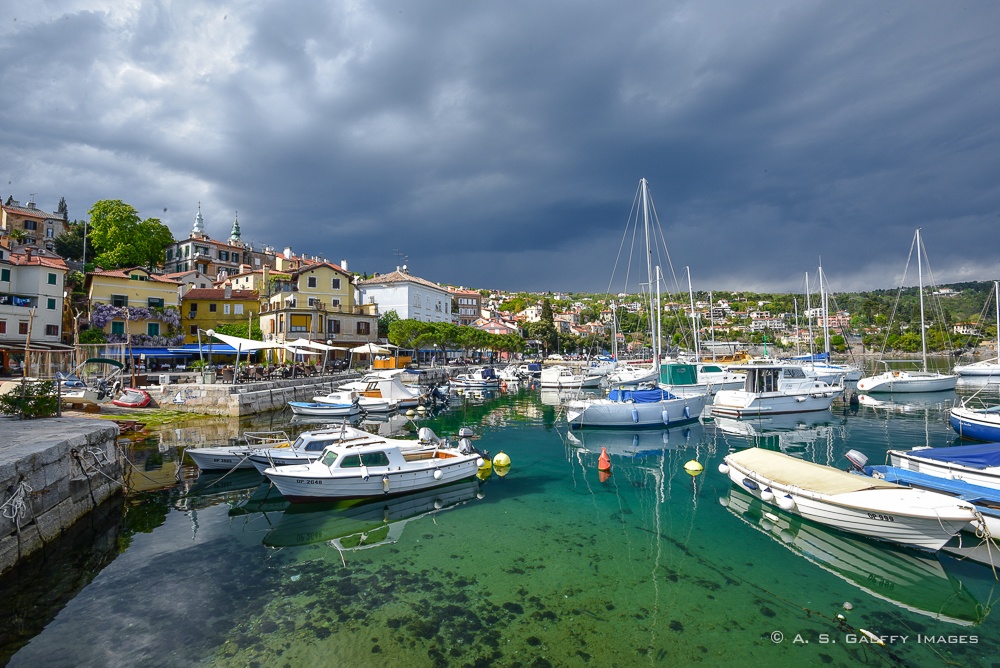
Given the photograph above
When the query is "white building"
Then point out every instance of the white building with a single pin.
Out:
(411, 297)
(32, 281)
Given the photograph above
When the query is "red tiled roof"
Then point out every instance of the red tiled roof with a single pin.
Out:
(398, 277)
(53, 261)
(124, 273)
(220, 293)
(314, 265)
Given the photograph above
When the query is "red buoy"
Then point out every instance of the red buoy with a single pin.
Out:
(604, 462)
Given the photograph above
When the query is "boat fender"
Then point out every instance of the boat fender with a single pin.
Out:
(878, 475)
(665, 415)
(635, 416)
(385, 484)
(438, 474)
(480, 463)
(724, 468)
(364, 473)
(767, 495)
(786, 502)
(750, 484)
(687, 412)
(874, 638)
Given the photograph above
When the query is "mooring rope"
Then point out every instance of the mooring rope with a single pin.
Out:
(16, 507)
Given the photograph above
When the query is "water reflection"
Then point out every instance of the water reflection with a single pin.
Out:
(636, 442)
(793, 433)
(909, 579)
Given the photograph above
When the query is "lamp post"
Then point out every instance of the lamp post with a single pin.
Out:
(326, 354)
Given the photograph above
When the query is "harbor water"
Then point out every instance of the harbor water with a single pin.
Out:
(553, 564)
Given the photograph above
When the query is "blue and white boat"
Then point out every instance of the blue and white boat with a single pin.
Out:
(978, 464)
(635, 408)
(977, 424)
(322, 409)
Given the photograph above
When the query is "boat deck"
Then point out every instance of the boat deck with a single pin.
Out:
(785, 470)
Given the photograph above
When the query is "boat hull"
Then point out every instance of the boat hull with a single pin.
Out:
(986, 477)
(210, 460)
(907, 516)
(903, 381)
(323, 409)
(975, 425)
(297, 485)
(740, 403)
(608, 413)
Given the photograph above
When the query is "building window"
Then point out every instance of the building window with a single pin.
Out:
(119, 300)
(224, 255)
(51, 304)
(194, 330)
(225, 309)
(155, 302)
(364, 328)
(30, 225)
(51, 330)
(238, 309)
(212, 308)
(170, 254)
(334, 303)
(5, 275)
(299, 323)
(117, 326)
(3, 326)
(335, 284)
(50, 233)
(22, 328)
(52, 279)
(311, 282)
(153, 328)
(332, 326)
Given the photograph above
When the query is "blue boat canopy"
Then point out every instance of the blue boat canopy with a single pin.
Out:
(817, 357)
(978, 456)
(640, 396)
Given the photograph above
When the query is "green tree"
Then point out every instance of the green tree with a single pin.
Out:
(121, 239)
(384, 321)
(69, 244)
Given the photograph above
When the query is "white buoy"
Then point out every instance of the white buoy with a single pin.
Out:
(724, 468)
(848, 605)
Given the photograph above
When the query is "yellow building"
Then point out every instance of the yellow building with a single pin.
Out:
(207, 308)
(317, 302)
(136, 302)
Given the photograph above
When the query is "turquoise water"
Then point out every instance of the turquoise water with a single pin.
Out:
(547, 566)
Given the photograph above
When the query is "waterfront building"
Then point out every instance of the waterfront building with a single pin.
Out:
(217, 259)
(207, 308)
(411, 297)
(134, 304)
(39, 227)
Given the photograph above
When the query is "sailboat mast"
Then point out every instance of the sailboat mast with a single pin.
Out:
(996, 288)
(649, 264)
(694, 319)
(711, 320)
(920, 286)
(809, 322)
(795, 303)
(825, 305)
(659, 330)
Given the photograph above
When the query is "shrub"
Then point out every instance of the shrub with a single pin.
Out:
(39, 400)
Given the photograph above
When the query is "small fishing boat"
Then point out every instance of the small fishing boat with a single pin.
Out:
(95, 381)
(391, 387)
(775, 388)
(236, 455)
(483, 378)
(380, 469)
(853, 503)
(978, 463)
(133, 397)
(977, 424)
(562, 378)
(324, 409)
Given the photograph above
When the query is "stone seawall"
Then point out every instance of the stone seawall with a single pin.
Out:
(52, 472)
(242, 399)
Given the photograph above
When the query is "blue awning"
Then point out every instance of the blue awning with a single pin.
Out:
(206, 348)
(157, 352)
(978, 456)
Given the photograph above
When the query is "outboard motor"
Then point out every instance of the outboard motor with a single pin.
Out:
(465, 432)
(427, 435)
(858, 460)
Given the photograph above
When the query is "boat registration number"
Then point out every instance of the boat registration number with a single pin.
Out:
(309, 482)
(881, 518)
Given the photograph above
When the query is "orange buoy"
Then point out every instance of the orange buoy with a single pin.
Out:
(604, 475)
(604, 462)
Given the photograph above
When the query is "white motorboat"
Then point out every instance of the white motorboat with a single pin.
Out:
(324, 409)
(309, 445)
(978, 464)
(911, 381)
(95, 381)
(373, 470)
(367, 404)
(775, 388)
(853, 503)
(375, 385)
(635, 408)
(483, 378)
(559, 377)
(235, 456)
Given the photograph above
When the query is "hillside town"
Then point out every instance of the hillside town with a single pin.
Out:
(163, 313)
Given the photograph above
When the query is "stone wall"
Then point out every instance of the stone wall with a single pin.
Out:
(52, 472)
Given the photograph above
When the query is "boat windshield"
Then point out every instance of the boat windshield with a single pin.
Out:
(377, 458)
(329, 458)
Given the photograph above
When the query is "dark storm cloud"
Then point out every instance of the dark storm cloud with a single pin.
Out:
(499, 145)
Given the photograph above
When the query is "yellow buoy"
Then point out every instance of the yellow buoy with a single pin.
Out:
(410, 413)
(693, 468)
(501, 459)
(502, 470)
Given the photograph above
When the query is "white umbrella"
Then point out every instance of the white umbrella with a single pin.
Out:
(371, 349)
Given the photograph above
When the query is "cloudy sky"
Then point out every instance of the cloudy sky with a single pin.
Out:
(499, 144)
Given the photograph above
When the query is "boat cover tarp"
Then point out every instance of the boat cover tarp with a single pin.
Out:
(640, 396)
(978, 456)
(817, 357)
(958, 488)
(785, 470)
